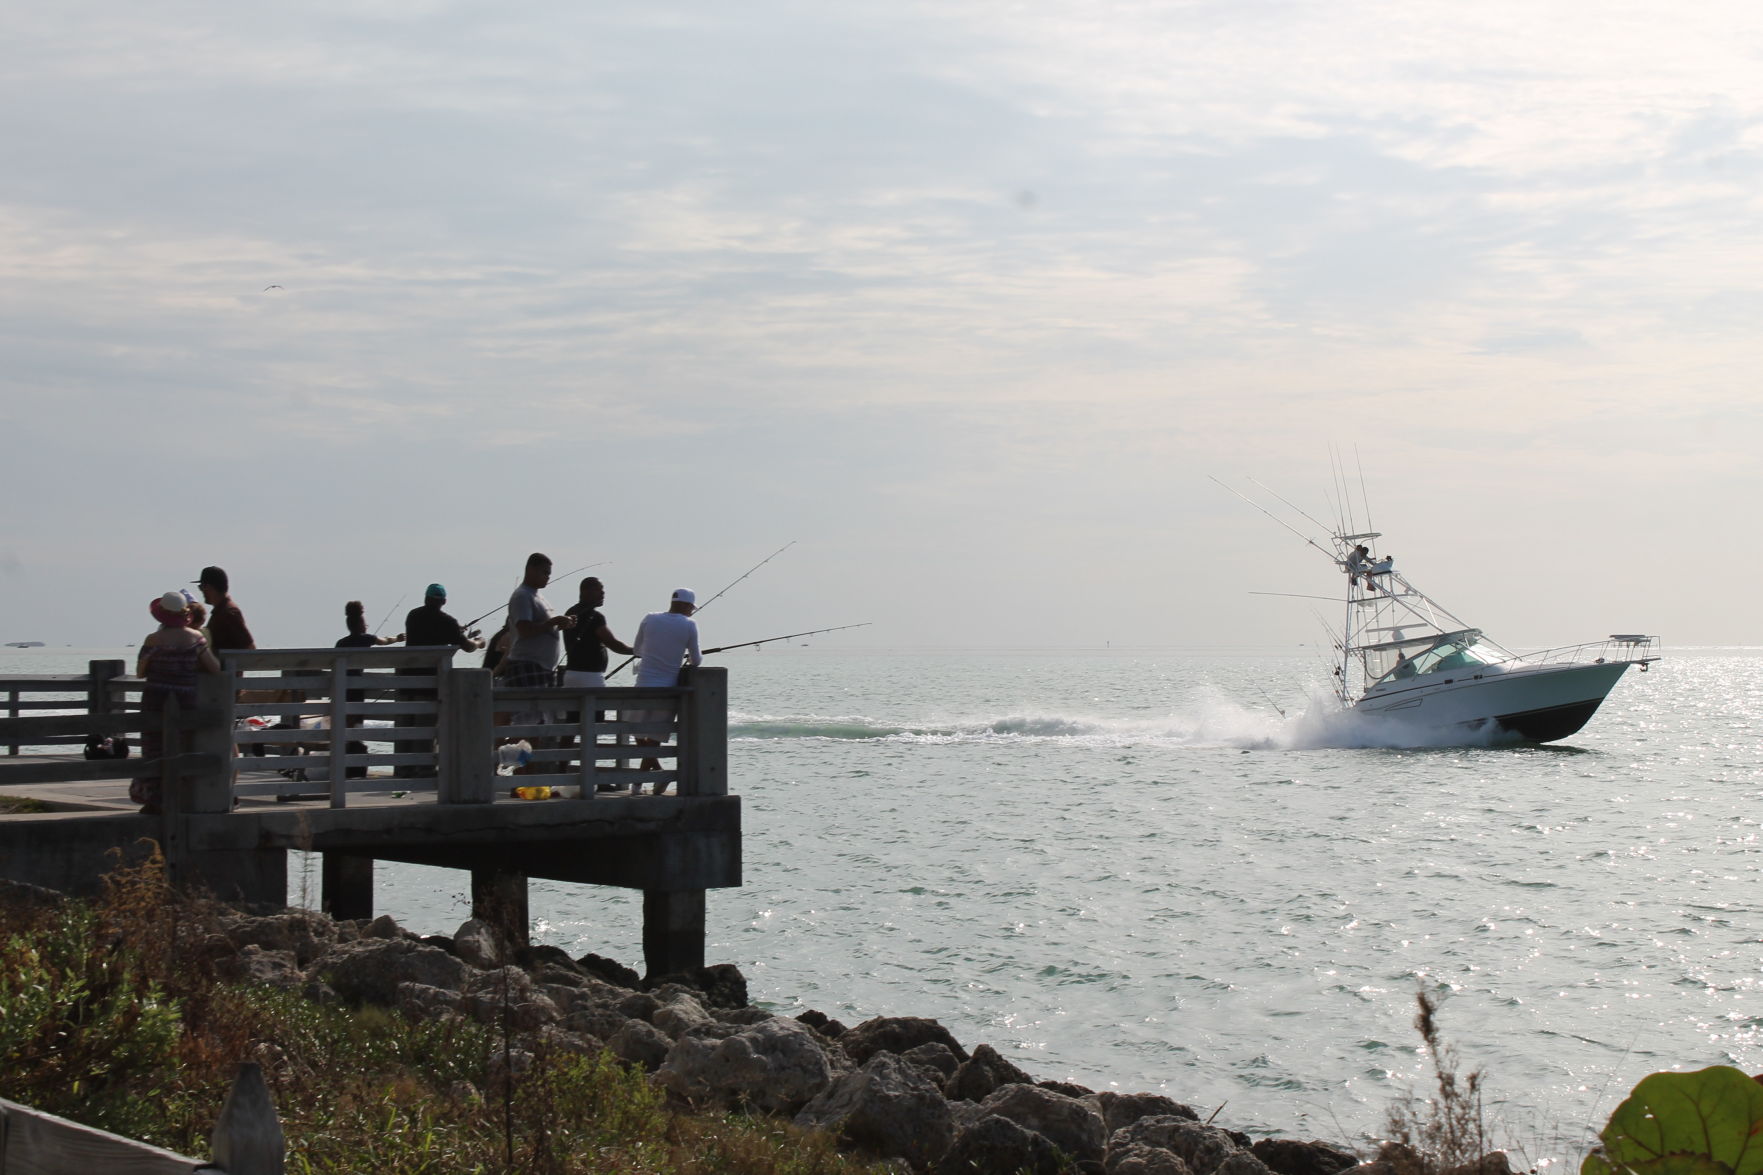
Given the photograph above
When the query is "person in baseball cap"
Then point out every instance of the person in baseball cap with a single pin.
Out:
(226, 624)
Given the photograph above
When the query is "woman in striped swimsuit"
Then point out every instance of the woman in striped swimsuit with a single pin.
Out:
(170, 659)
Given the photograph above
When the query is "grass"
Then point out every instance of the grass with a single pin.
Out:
(15, 805)
(114, 1013)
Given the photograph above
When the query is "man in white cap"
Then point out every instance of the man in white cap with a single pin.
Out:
(664, 642)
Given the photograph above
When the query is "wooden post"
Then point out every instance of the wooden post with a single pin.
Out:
(703, 732)
(498, 896)
(467, 763)
(673, 931)
(98, 692)
(247, 1138)
(339, 731)
(12, 712)
(212, 791)
(346, 886)
(589, 733)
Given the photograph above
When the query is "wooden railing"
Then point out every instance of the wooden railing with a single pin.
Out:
(439, 728)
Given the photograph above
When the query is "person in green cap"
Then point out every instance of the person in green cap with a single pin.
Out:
(428, 625)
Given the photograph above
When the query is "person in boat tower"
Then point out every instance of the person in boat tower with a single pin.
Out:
(585, 645)
(664, 641)
(1357, 559)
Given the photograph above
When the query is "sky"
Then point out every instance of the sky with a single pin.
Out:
(969, 302)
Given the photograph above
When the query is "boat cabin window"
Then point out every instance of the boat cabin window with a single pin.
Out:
(1462, 651)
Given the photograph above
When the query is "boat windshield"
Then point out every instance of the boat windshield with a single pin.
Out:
(1458, 650)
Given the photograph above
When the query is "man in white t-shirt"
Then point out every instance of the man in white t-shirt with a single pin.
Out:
(536, 631)
(664, 642)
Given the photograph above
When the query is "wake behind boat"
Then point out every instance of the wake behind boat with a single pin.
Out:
(1406, 658)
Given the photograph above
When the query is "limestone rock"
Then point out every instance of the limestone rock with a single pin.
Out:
(1068, 1088)
(1069, 1124)
(997, 1146)
(307, 936)
(887, 1107)
(1123, 1109)
(253, 964)
(604, 1022)
(639, 1005)
(611, 972)
(823, 1024)
(385, 926)
(1288, 1156)
(480, 944)
(775, 1066)
(370, 969)
(681, 1014)
(638, 1042)
(897, 1035)
(420, 1001)
(935, 1059)
(982, 1073)
(1202, 1148)
(721, 985)
(1139, 1159)
(1242, 1162)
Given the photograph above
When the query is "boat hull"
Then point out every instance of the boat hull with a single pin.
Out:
(1540, 704)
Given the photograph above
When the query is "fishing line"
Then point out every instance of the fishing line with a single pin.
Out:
(718, 596)
(786, 637)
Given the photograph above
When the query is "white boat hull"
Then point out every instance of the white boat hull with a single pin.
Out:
(1540, 704)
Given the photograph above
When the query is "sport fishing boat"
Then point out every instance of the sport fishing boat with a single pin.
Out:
(1404, 657)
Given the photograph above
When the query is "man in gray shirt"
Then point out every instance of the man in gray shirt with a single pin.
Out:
(537, 648)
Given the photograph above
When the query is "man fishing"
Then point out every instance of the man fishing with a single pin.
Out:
(537, 645)
(665, 640)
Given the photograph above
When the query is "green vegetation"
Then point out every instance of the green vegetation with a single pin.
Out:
(113, 1013)
(1709, 1122)
(16, 805)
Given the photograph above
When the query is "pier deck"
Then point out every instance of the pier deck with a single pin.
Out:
(228, 820)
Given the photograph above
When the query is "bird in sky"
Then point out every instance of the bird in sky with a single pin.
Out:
(267, 289)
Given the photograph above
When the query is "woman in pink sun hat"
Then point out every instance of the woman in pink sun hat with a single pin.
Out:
(170, 659)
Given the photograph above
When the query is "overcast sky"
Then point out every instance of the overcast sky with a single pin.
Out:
(967, 299)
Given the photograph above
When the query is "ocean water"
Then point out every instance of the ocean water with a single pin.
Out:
(1130, 870)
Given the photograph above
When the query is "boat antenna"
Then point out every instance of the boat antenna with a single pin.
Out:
(1364, 497)
(719, 595)
(1272, 515)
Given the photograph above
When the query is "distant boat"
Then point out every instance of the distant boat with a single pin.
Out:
(24, 644)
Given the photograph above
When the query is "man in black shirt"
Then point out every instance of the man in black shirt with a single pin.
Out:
(427, 625)
(585, 645)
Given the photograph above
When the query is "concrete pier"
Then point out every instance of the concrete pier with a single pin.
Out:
(230, 816)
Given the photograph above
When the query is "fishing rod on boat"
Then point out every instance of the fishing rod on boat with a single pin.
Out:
(790, 636)
(1276, 518)
(565, 575)
(622, 664)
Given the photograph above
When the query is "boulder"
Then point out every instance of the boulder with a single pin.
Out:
(611, 972)
(1139, 1159)
(937, 1062)
(1068, 1088)
(1123, 1109)
(774, 1066)
(887, 1107)
(385, 926)
(721, 985)
(1202, 1148)
(897, 1035)
(982, 1073)
(419, 1001)
(305, 935)
(1288, 1156)
(639, 1005)
(370, 969)
(534, 958)
(602, 1021)
(741, 1015)
(480, 944)
(507, 996)
(638, 1042)
(280, 969)
(997, 1146)
(1241, 1162)
(823, 1024)
(680, 1015)
(1071, 1125)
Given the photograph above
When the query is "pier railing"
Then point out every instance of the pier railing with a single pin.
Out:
(324, 719)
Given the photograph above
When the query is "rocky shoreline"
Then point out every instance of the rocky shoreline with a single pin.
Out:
(895, 1087)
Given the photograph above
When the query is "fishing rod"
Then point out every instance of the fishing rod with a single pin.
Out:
(1276, 518)
(565, 575)
(788, 636)
(718, 596)
(388, 615)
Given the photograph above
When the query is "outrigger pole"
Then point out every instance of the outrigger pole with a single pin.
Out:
(1312, 542)
(719, 596)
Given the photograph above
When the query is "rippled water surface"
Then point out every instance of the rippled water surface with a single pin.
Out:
(1132, 872)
